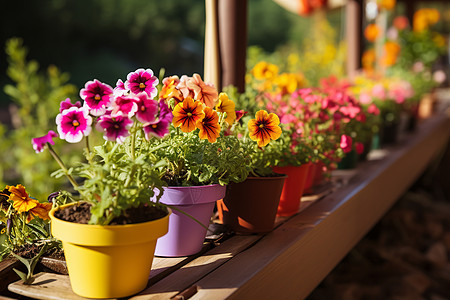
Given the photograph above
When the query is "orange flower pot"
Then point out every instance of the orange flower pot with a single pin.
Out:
(293, 188)
(251, 206)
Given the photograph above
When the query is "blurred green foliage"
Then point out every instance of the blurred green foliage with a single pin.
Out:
(36, 97)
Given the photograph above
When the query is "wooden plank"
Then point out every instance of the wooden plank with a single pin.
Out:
(292, 260)
(46, 286)
(182, 279)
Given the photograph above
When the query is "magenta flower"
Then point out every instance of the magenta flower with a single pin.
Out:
(359, 147)
(164, 111)
(97, 97)
(73, 124)
(120, 89)
(346, 143)
(66, 104)
(124, 105)
(114, 128)
(158, 129)
(40, 142)
(142, 81)
(146, 109)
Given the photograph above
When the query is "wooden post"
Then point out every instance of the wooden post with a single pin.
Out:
(233, 42)
(354, 16)
(212, 69)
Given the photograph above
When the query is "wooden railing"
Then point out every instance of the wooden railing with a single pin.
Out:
(290, 261)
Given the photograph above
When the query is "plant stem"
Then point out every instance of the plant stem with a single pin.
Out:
(62, 166)
(88, 150)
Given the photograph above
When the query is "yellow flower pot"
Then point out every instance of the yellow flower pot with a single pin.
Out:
(110, 261)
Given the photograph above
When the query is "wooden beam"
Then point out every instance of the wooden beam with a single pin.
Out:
(212, 68)
(233, 42)
(354, 23)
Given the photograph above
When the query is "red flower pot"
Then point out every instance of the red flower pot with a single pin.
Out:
(309, 184)
(292, 189)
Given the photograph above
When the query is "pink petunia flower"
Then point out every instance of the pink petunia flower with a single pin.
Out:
(97, 97)
(158, 129)
(114, 128)
(73, 124)
(120, 89)
(373, 109)
(146, 108)
(124, 105)
(66, 104)
(379, 92)
(40, 142)
(142, 81)
(346, 143)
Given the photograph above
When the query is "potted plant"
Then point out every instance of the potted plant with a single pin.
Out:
(25, 231)
(200, 157)
(251, 206)
(107, 224)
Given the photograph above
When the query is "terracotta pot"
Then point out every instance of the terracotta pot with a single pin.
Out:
(108, 261)
(186, 236)
(251, 206)
(308, 189)
(319, 171)
(292, 189)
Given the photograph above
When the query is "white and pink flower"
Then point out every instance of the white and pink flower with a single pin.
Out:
(73, 124)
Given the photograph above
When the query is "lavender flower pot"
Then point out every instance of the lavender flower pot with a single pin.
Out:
(185, 236)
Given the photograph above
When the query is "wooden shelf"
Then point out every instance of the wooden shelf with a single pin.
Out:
(291, 261)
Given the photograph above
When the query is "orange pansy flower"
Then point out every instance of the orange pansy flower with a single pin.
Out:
(264, 127)
(41, 211)
(225, 105)
(21, 201)
(371, 32)
(209, 125)
(186, 114)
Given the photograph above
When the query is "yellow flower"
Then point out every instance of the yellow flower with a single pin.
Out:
(368, 59)
(386, 4)
(439, 40)
(424, 18)
(209, 125)
(226, 105)
(264, 128)
(21, 201)
(186, 114)
(264, 70)
(288, 83)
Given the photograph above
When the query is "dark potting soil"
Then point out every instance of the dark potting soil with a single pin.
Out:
(31, 250)
(80, 213)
